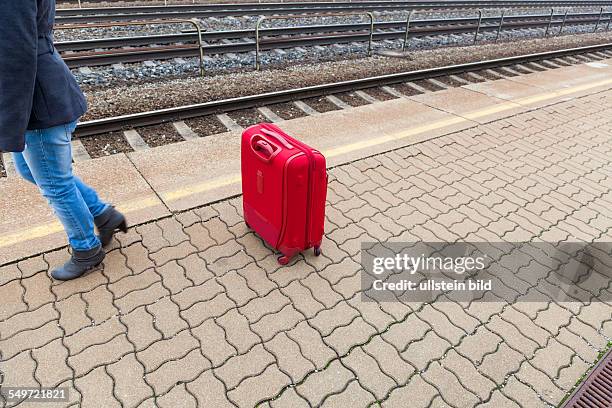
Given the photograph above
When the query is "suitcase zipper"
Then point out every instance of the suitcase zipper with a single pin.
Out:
(311, 164)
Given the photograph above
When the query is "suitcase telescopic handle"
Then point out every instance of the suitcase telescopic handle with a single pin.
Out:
(278, 137)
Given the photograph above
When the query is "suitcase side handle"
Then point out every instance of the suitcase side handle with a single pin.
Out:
(263, 149)
(278, 137)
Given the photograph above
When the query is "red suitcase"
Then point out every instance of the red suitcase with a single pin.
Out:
(284, 187)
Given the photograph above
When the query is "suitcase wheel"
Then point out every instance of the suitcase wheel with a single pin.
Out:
(317, 251)
(283, 260)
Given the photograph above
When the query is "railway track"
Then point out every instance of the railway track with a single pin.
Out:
(106, 14)
(83, 53)
(454, 75)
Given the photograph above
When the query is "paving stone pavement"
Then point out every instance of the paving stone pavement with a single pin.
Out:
(194, 311)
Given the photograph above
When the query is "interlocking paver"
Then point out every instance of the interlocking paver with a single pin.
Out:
(97, 389)
(27, 321)
(468, 375)
(332, 379)
(417, 391)
(422, 351)
(502, 362)
(140, 328)
(476, 346)
(175, 371)
(172, 253)
(93, 335)
(441, 324)
(209, 391)
(30, 339)
(168, 349)
(552, 357)
(51, 367)
(403, 333)
(289, 357)
(100, 306)
(449, 386)
(166, 317)
(242, 366)
(541, 383)
(178, 396)
(129, 385)
(98, 355)
(141, 297)
(290, 398)
(174, 277)
(302, 299)
(327, 320)
(522, 393)
(271, 324)
(213, 341)
(369, 374)
(12, 295)
(37, 290)
(353, 395)
(237, 331)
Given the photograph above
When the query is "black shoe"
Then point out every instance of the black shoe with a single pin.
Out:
(108, 222)
(79, 263)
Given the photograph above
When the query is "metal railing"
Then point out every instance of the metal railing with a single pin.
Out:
(478, 25)
(194, 22)
(318, 15)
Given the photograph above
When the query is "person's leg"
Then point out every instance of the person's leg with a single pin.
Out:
(22, 168)
(94, 204)
(48, 156)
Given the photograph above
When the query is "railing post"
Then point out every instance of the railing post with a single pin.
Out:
(200, 45)
(257, 27)
(501, 23)
(598, 20)
(609, 20)
(552, 12)
(371, 41)
(478, 27)
(408, 20)
(80, 5)
(563, 23)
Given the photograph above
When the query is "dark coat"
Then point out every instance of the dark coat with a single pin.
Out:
(37, 90)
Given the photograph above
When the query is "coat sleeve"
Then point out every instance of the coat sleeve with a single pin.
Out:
(18, 60)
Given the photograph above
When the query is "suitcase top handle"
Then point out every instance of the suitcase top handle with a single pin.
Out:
(264, 149)
(278, 137)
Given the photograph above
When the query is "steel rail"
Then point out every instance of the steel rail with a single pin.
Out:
(309, 5)
(76, 16)
(306, 4)
(306, 36)
(100, 126)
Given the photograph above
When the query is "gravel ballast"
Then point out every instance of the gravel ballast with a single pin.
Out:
(287, 111)
(247, 117)
(166, 93)
(321, 105)
(206, 125)
(159, 135)
(106, 144)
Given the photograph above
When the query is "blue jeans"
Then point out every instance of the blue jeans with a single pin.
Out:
(47, 163)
